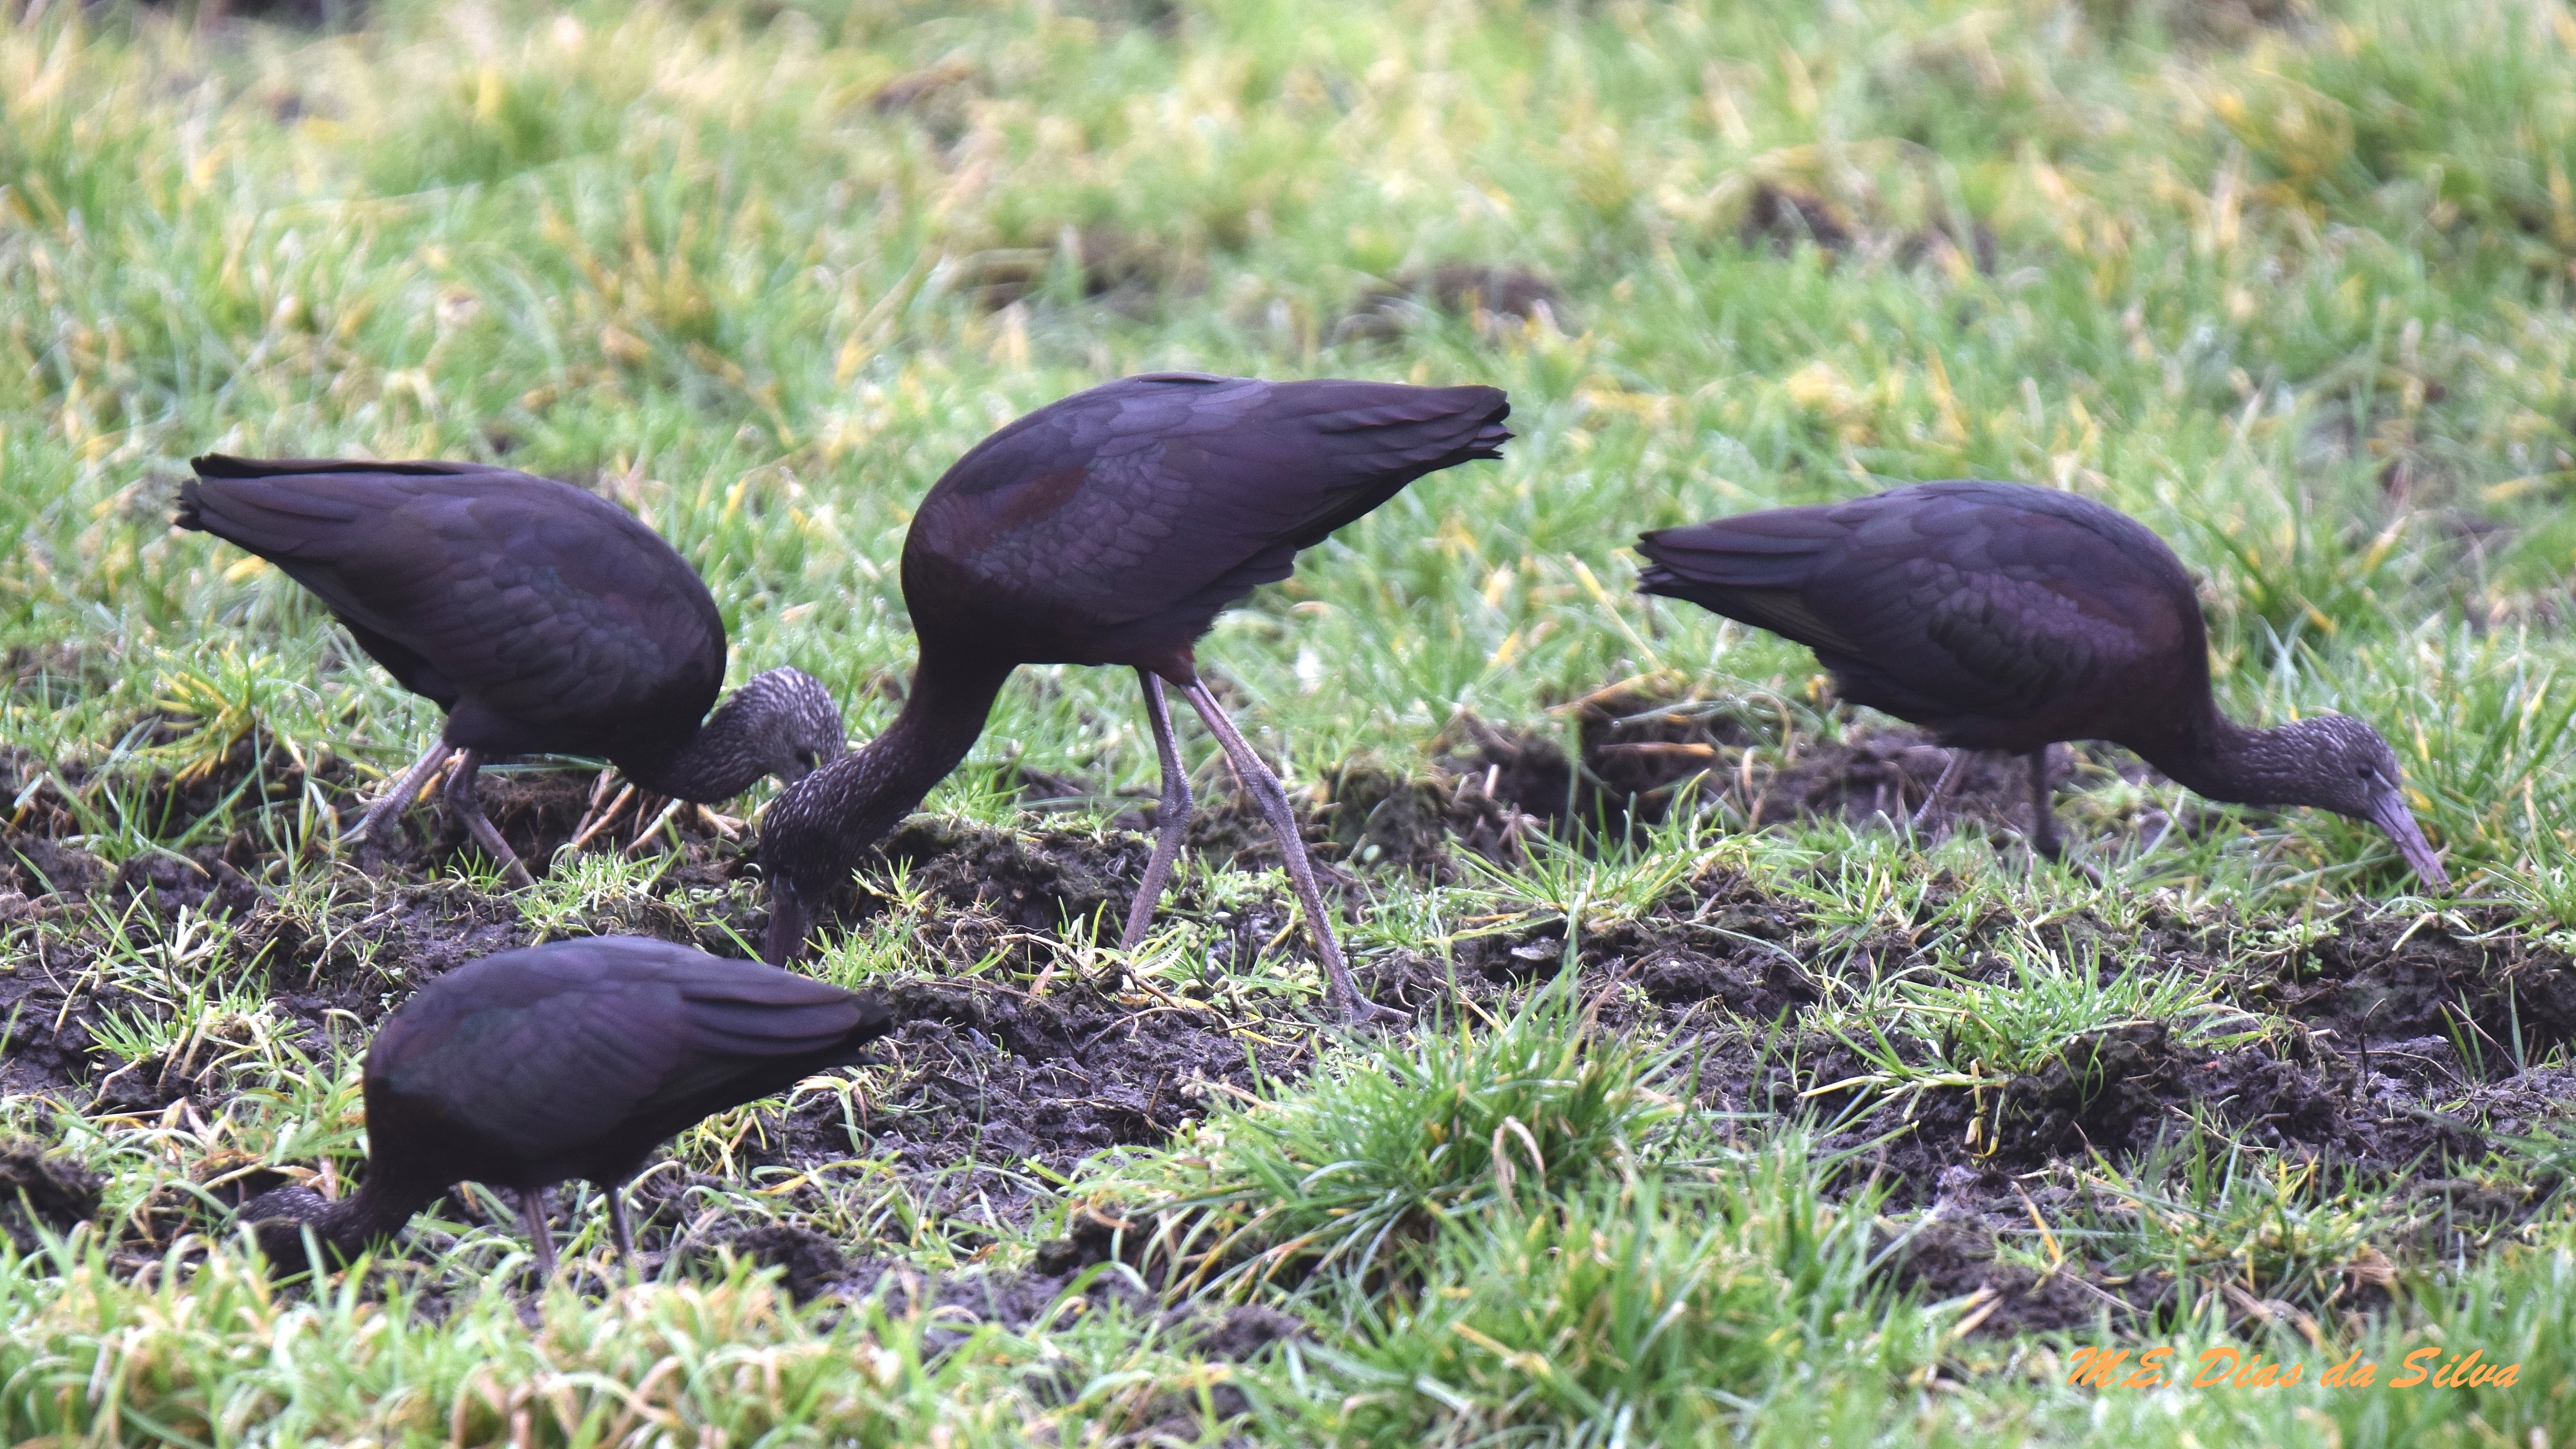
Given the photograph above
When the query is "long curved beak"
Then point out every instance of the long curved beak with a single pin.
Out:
(2389, 813)
(787, 922)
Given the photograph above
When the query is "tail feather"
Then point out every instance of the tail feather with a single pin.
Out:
(1387, 434)
(1423, 429)
(269, 517)
(1729, 555)
(275, 507)
(1755, 568)
(225, 465)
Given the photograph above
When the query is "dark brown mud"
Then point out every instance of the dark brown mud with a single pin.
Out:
(1944, 1258)
(1495, 300)
(1782, 218)
(41, 1192)
(990, 1089)
(2400, 1056)
(1110, 267)
(2404, 1060)
(1638, 749)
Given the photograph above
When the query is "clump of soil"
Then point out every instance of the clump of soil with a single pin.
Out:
(1716, 951)
(37, 1191)
(1037, 881)
(810, 1263)
(1946, 1260)
(941, 97)
(1887, 774)
(1495, 300)
(1378, 818)
(1636, 747)
(1366, 816)
(46, 1019)
(2396, 979)
(1780, 217)
(1121, 269)
(43, 875)
(1639, 745)
(1050, 1079)
(540, 809)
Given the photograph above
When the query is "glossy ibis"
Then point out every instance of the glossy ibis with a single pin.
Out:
(2005, 617)
(1110, 528)
(572, 1059)
(543, 619)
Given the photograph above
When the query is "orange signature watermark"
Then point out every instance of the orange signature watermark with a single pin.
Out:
(2156, 1368)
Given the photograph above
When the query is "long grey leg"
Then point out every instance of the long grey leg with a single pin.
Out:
(405, 791)
(1942, 787)
(461, 799)
(532, 1212)
(1343, 993)
(2043, 813)
(1172, 816)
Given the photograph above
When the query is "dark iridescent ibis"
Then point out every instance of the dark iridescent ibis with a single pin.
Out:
(2006, 617)
(543, 619)
(572, 1059)
(1110, 528)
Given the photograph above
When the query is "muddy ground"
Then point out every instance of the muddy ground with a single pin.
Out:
(2396, 1063)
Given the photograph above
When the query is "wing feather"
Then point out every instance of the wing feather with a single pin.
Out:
(1149, 503)
(538, 603)
(554, 1049)
(1944, 599)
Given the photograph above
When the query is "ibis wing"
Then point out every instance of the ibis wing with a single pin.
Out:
(1944, 599)
(552, 1078)
(479, 582)
(560, 1063)
(2027, 600)
(1935, 641)
(1173, 494)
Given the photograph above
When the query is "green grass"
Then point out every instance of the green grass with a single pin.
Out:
(2293, 290)
(1352, 1172)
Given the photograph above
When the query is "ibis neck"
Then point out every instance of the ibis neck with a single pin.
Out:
(724, 757)
(376, 1211)
(2216, 757)
(814, 832)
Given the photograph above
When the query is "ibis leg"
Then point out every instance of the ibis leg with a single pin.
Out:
(620, 1231)
(461, 799)
(1942, 787)
(532, 1211)
(2043, 814)
(379, 819)
(1344, 993)
(1171, 816)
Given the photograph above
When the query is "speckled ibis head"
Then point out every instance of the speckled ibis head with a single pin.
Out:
(2335, 762)
(792, 720)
